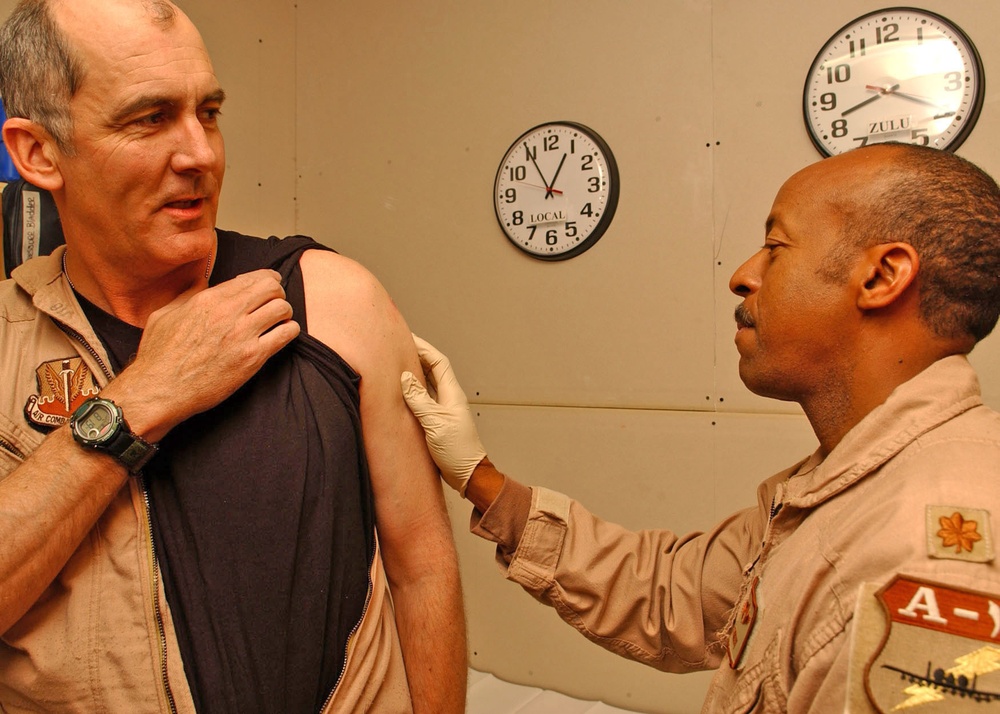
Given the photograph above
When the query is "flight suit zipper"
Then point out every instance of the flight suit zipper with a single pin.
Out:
(10, 448)
(151, 550)
(354, 630)
(157, 612)
(776, 506)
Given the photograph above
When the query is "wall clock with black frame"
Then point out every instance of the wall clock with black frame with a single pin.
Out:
(900, 74)
(556, 190)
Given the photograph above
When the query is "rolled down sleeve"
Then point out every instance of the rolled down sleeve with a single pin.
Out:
(650, 595)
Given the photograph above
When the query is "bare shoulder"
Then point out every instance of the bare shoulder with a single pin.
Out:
(350, 311)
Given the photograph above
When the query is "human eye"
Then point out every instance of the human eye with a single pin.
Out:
(210, 115)
(771, 247)
(149, 119)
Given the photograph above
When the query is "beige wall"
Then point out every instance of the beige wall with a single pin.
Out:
(378, 127)
(612, 376)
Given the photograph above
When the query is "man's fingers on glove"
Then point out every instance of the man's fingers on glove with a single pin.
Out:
(427, 352)
(420, 402)
(413, 391)
(436, 366)
(440, 376)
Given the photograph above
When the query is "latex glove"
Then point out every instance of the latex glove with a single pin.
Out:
(448, 426)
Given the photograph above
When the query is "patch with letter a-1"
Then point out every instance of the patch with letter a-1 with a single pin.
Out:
(940, 651)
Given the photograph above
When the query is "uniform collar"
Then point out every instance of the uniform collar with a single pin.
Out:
(39, 273)
(941, 392)
(43, 279)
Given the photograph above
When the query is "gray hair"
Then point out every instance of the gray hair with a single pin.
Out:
(39, 71)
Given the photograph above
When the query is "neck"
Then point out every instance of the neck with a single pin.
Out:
(885, 365)
(130, 297)
(833, 419)
(833, 411)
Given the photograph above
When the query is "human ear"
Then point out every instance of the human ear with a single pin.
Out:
(890, 268)
(34, 153)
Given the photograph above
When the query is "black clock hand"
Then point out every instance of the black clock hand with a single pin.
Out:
(861, 104)
(882, 91)
(919, 100)
(561, 162)
(905, 95)
(530, 156)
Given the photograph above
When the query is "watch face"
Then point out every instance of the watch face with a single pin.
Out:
(899, 74)
(96, 422)
(556, 190)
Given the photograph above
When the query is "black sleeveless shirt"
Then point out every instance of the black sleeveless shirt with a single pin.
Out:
(262, 513)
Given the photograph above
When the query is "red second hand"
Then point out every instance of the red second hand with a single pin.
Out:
(547, 188)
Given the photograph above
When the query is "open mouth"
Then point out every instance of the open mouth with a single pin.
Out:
(190, 203)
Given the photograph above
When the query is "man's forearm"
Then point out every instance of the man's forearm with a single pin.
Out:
(430, 618)
(49, 504)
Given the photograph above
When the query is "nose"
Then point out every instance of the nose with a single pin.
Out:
(199, 148)
(746, 279)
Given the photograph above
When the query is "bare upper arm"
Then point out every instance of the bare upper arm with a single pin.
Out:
(350, 312)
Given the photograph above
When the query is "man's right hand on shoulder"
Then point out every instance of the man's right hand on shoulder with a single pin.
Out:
(199, 349)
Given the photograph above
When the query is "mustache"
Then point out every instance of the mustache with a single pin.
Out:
(743, 317)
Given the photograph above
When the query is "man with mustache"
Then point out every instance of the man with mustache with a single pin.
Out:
(213, 504)
(864, 578)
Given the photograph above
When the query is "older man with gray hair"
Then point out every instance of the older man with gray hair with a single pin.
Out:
(207, 501)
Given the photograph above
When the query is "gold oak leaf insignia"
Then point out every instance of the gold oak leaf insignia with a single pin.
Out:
(958, 532)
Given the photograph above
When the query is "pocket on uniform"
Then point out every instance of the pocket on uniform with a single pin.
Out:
(760, 686)
(16, 443)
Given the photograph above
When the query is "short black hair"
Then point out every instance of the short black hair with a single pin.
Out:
(948, 209)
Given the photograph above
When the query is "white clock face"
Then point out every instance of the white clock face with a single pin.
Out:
(899, 74)
(556, 190)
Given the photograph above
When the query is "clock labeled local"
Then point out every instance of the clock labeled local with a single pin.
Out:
(556, 190)
(898, 74)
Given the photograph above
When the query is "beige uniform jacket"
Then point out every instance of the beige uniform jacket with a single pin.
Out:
(905, 505)
(100, 638)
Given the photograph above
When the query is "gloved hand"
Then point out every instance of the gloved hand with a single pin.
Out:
(448, 426)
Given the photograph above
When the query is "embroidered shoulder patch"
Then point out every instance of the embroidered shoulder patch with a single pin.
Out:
(939, 649)
(63, 385)
(957, 533)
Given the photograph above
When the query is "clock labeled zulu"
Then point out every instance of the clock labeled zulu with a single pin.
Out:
(898, 74)
(556, 190)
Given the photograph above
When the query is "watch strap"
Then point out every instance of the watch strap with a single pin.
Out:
(131, 449)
